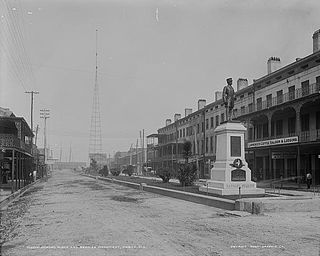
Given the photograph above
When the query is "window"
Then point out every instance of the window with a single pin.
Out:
(243, 110)
(279, 128)
(202, 146)
(291, 125)
(184, 132)
(250, 133)
(207, 124)
(211, 143)
(279, 97)
(269, 100)
(265, 130)
(181, 133)
(202, 127)
(217, 120)
(222, 117)
(198, 128)
(305, 88)
(305, 122)
(272, 128)
(207, 143)
(292, 90)
(259, 131)
(259, 103)
(318, 82)
(318, 120)
(250, 107)
(211, 121)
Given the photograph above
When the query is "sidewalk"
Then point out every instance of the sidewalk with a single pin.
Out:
(288, 188)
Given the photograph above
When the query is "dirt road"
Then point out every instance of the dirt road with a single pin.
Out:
(75, 215)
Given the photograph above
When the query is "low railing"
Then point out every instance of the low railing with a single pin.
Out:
(277, 100)
(12, 141)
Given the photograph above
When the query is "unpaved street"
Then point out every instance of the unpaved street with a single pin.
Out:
(74, 215)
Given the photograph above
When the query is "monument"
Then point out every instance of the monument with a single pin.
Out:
(230, 174)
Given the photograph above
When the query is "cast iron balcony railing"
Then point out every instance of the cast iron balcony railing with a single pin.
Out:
(276, 101)
(12, 141)
(305, 136)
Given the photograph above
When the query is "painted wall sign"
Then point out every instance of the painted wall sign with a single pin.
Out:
(281, 141)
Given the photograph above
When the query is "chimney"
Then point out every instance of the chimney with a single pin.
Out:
(273, 64)
(218, 95)
(177, 117)
(201, 103)
(168, 122)
(316, 41)
(242, 83)
(187, 111)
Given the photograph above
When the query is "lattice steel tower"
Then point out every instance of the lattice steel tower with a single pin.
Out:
(95, 144)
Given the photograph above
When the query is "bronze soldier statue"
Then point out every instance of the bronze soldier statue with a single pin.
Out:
(228, 99)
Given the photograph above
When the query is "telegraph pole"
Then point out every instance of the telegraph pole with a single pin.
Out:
(31, 115)
(44, 113)
(37, 129)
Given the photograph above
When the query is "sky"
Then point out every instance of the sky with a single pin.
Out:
(155, 58)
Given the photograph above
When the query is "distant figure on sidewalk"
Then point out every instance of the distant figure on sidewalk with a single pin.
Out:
(309, 179)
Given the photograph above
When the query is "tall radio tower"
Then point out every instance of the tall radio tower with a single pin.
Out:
(95, 145)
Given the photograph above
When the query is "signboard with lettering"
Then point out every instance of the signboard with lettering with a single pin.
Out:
(274, 142)
(238, 175)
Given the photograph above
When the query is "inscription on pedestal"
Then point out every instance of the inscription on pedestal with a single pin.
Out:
(235, 146)
(238, 175)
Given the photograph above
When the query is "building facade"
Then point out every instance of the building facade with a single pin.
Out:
(281, 112)
(16, 151)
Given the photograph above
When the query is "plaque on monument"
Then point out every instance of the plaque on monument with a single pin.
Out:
(235, 146)
(238, 175)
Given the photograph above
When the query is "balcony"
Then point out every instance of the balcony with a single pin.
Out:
(305, 136)
(12, 142)
(278, 100)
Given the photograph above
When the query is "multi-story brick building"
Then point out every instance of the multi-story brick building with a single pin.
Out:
(281, 111)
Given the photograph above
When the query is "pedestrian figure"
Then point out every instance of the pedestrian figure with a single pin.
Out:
(309, 179)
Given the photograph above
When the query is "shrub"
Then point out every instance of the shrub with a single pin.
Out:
(129, 170)
(165, 174)
(104, 171)
(187, 174)
(115, 172)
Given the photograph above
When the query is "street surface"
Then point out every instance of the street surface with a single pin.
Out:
(75, 215)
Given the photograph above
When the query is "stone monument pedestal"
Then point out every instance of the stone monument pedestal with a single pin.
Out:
(230, 172)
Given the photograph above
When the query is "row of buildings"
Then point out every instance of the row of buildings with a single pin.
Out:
(280, 110)
(20, 159)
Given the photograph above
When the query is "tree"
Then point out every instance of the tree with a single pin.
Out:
(187, 150)
(165, 174)
(187, 172)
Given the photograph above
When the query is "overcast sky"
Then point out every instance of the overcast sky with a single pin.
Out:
(155, 59)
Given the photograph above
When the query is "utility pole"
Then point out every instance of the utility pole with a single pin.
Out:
(44, 113)
(37, 129)
(70, 154)
(60, 158)
(31, 114)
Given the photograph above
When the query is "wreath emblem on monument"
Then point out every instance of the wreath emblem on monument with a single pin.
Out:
(237, 163)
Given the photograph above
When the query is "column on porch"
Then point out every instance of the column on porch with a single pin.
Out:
(298, 130)
(12, 171)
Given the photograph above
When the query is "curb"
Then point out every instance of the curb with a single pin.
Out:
(18, 193)
(187, 196)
